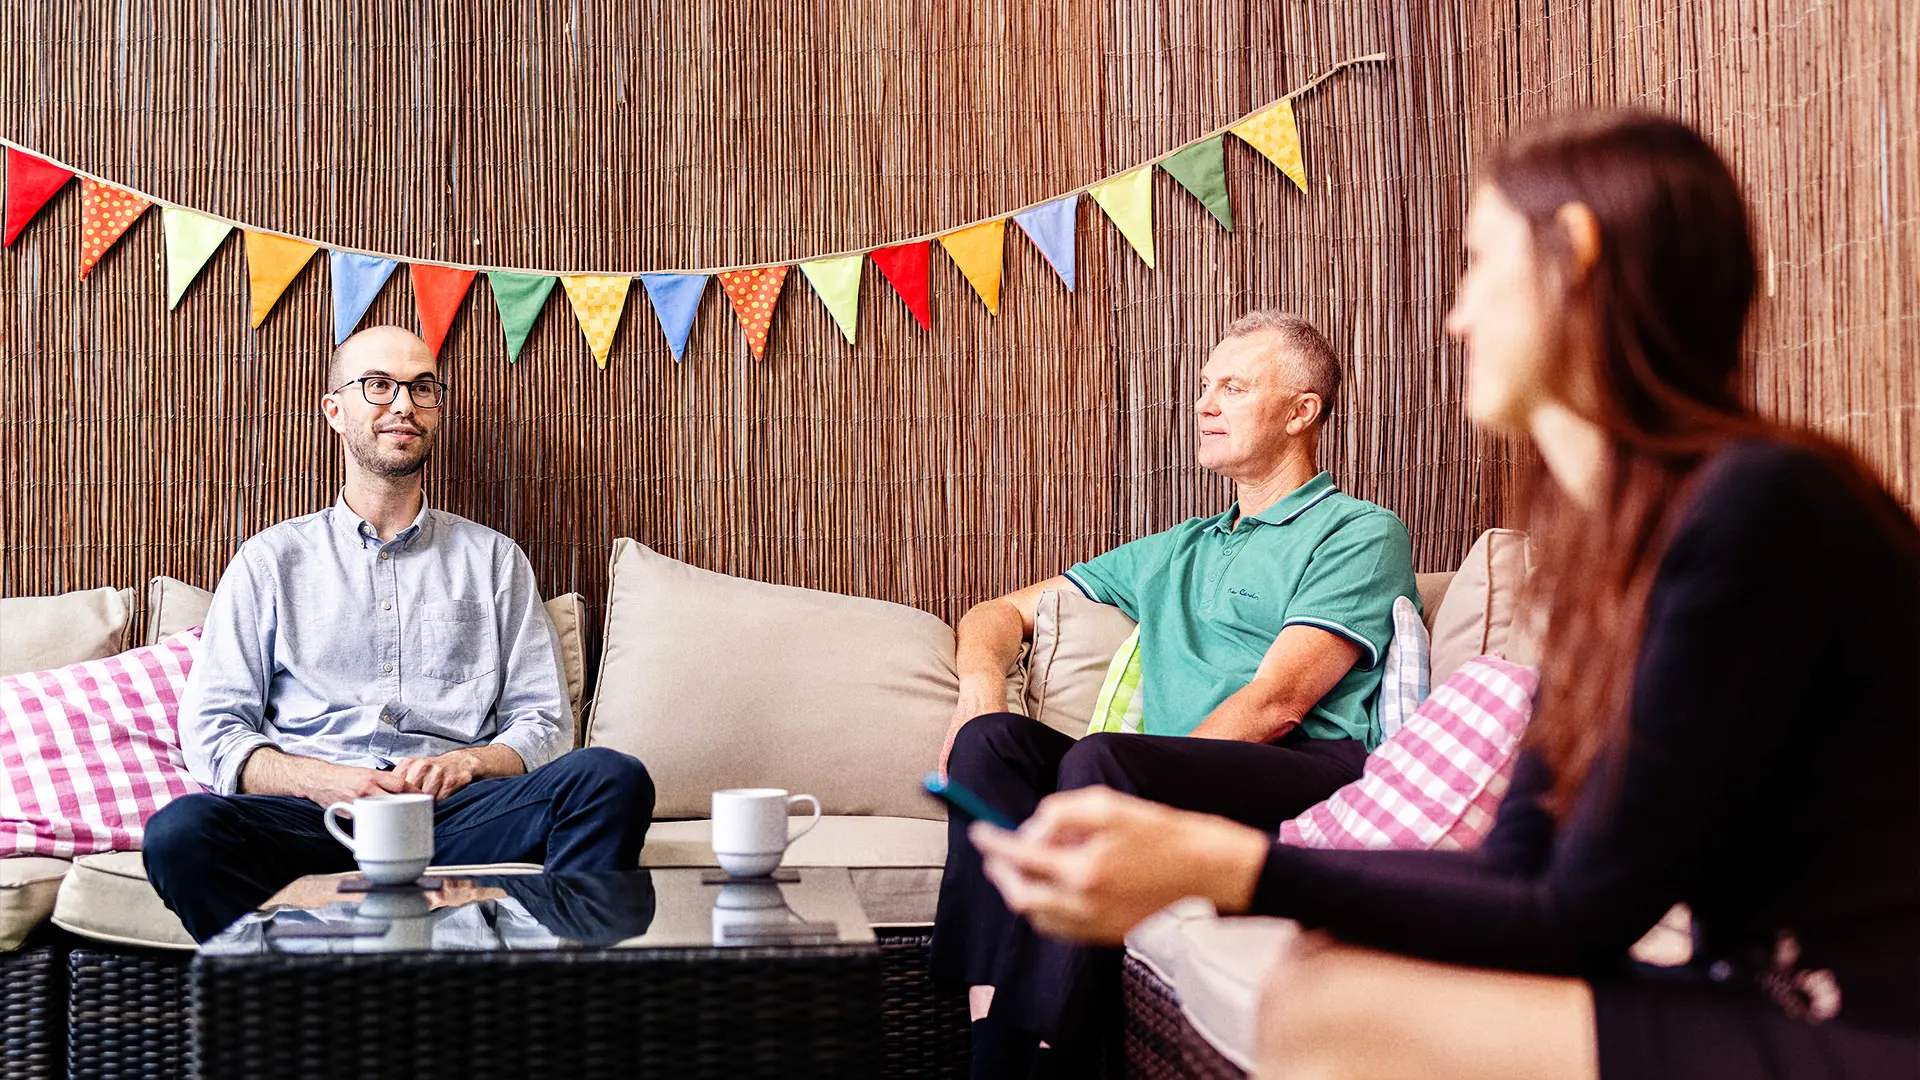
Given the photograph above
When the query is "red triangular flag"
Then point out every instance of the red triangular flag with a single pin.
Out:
(106, 213)
(437, 293)
(31, 181)
(905, 267)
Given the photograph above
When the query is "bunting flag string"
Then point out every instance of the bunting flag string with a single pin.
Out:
(1128, 201)
(272, 263)
(676, 298)
(837, 283)
(437, 294)
(31, 182)
(1202, 170)
(1051, 228)
(978, 248)
(106, 213)
(357, 279)
(191, 239)
(519, 298)
(908, 268)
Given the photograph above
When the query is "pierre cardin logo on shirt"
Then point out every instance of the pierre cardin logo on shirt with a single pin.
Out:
(1244, 592)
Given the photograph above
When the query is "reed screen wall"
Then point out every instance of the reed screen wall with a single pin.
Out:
(933, 468)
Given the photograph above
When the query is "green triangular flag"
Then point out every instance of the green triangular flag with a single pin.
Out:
(520, 298)
(837, 282)
(1202, 170)
(191, 240)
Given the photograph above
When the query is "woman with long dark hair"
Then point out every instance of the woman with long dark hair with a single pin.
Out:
(1728, 714)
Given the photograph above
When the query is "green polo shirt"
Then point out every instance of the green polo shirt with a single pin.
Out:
(1211, 596)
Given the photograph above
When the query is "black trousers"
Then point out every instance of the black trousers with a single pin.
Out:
(1056, 991)
(214, 858)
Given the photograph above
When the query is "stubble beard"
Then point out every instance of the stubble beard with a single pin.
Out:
(389, 464)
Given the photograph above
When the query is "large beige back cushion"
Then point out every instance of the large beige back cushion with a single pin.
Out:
(42, 632)
(1480, 612)
(719, 682)
(1074, 640)
(173, 606)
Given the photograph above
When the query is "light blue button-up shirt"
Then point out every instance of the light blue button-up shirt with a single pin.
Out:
(327, 643)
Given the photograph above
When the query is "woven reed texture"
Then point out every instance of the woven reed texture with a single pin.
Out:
(1158, 1042)
(1815, 107)
(923, 1025)
(929, 468)
(32, 1013)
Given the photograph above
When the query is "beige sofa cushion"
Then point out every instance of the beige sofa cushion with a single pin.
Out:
(1216, 967)
(1433, 592)
(173, 606)
(42, 632)
(895, 862)
(718, 682)
(1482, 606)
(1074, 640)
(28, 884)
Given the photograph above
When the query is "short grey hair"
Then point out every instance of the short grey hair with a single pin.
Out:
(1303, 347)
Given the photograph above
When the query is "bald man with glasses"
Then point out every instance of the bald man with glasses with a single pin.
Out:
(380, 645)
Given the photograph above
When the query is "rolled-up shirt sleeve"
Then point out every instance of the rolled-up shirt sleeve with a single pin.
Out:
(223, 707)
(535, 719)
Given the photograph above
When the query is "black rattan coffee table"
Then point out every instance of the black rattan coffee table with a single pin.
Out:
(650, 973)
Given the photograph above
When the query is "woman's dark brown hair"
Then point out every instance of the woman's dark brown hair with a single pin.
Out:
(1653, 357)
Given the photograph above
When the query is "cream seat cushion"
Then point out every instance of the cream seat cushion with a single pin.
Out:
(173, 606)
(1481, 610)
(106, 897)
(895, 862)
(719, 682)
(1216, 967)
(28, 884)
(42, 632)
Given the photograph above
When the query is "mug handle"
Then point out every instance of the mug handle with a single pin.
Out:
(334, 827)
(816, 815)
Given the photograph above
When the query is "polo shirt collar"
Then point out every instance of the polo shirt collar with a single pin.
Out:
(357, 528)
(1291, 505)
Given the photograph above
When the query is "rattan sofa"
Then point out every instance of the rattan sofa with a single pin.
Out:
(713, 681)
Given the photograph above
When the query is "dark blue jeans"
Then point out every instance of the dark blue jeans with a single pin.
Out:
(214, 858)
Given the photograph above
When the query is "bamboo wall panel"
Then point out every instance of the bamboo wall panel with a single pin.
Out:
(930, 468)
(1817, 107)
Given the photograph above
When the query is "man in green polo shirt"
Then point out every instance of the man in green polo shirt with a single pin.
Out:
(1261, 634)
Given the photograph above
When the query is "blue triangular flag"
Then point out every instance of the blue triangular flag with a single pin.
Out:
(1050, 227)
(675, 298)
(356, 281)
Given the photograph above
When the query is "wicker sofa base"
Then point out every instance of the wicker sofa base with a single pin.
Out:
(127, 1013)
(33, 1010)
(1159, 1043)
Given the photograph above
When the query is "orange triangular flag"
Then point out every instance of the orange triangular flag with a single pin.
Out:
(105, 213)
(754, 294)
(977, 251)
(272, 264)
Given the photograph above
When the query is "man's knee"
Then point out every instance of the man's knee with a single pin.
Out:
(983, 741)
(183, 831)
(1097, 759)
(609, 776)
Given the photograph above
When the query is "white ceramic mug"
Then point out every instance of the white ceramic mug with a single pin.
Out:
(392, 835)
(750, 828)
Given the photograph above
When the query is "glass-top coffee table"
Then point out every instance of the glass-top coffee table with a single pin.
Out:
(667, 973)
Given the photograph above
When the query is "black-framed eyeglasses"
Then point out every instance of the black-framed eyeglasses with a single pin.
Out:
(426, 392)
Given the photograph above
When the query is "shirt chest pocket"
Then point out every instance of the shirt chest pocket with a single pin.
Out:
(458, 642)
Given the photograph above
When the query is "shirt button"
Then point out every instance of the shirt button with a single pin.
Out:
(386, 667)
(386, 605)
(385, 555)
(385, 719)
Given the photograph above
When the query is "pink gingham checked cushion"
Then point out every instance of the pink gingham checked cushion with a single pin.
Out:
(89, 752)
(1438, 781)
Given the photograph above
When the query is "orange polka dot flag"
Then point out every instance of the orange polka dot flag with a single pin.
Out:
(105, 213)
(754, 294)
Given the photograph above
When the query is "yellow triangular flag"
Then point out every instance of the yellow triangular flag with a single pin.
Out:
(837, 283)
(1128, 201)
(976, 250)
(598, 303)
(272, 264)
(1273, 132)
